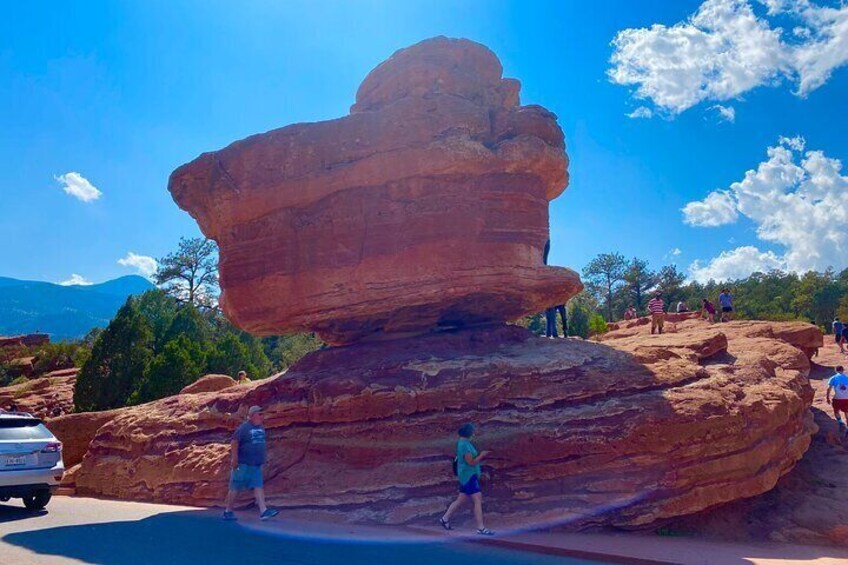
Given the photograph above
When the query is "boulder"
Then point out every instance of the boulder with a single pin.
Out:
(209, 383)
(76, 431)
(628, 431)
(426, 207)
(41, 397)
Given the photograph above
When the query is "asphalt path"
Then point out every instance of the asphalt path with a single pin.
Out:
(85, 530)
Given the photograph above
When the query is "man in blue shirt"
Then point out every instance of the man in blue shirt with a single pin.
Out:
(838, 326)
(838, 383)
(246, 460)
(725, 302)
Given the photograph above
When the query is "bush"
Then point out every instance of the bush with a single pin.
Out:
(578, 319)
(597, 324)
(181, 363)
(285, 351)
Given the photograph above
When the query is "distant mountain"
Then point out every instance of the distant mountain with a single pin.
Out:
(63, 312)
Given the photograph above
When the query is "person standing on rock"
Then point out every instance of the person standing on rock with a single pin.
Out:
(708, 311)
(246, 459)
(838, 383)
(838, 326)
(468, 474)
(656, 308)
(725, 301)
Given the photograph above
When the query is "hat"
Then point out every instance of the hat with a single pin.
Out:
(254, 410)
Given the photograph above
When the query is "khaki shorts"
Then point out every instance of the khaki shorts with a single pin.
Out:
(657, 320)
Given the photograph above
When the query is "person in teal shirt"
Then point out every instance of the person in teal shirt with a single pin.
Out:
(468, 474)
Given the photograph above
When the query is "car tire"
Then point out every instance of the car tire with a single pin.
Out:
(37, 500)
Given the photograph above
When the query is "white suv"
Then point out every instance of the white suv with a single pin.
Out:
(31, 465)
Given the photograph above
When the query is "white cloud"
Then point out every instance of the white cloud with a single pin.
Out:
(717, 209)
(145, 265)
(797, 200)
(76, 280)
(735, 264)
(725, 113)
(640, 112)
(725, 49)
(78, 186)
(675, 252)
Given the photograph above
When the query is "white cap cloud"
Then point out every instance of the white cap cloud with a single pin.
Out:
(795, 198)
(79, 187)
(735, 264)
(725, 49)
(145, 265)
(76, 280)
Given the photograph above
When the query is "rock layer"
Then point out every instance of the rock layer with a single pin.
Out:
(42, 397)
(426, 207)
(627, 432)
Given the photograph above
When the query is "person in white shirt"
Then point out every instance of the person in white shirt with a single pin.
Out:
(682, 307)
(838, 383)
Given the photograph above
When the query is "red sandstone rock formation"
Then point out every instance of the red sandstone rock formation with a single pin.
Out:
(41, 397)
(209, 383)
(427, 206)
(27, 340)
(629, 431)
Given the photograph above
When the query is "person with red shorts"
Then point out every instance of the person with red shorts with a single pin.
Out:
(839, 384)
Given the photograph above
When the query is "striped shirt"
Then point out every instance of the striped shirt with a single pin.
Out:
(655, 306)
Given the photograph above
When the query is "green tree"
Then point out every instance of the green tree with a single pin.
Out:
(159, 309)
(638, 281)
(181, 363)
(597, 324)
(580, 310)
(118, 362)
(670, 281)
(605, 273)
(191, 273)
(232, 354)
(284, 351)
(188, 322)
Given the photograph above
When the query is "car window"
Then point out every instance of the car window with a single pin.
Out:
(22, 429)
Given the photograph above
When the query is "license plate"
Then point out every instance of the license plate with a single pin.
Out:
(14, 461)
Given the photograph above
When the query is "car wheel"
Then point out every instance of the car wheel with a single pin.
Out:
(37, 500)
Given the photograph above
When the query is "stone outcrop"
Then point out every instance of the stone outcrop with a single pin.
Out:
(426, 207)
(209, 383)
(42, 397)
(26, 340)
(629, 431)
(76, 431)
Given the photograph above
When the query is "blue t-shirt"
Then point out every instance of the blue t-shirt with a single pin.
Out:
(725, 300)
(839, 382)
(464, 471)
(837, 328)
(251, 444)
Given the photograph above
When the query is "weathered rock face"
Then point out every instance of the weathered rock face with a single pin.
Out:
(43, 397)
(427, 206)
(633, 430)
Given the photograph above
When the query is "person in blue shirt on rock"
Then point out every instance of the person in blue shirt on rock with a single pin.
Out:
(246, 460)
(838, 326)
(468, 474)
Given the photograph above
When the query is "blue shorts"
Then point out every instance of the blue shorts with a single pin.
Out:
(246, 477)
(471, 487)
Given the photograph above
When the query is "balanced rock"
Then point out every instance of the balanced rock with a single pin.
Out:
(629, 431)
(426, 207)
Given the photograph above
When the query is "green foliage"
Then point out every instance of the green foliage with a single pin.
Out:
(62, 355)
(579, 313)
(285, 351)
(233, 353)
(597, 324)
(182, 362)
(190, 274)
(605, 274)
(19, 381)
(118, 362)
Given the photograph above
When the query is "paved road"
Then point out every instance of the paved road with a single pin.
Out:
(84, 530)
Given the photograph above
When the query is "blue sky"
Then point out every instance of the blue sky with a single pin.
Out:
(123, 92)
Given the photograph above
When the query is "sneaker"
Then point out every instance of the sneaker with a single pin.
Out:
(269, 513)
(485, 532)
(229, 516)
